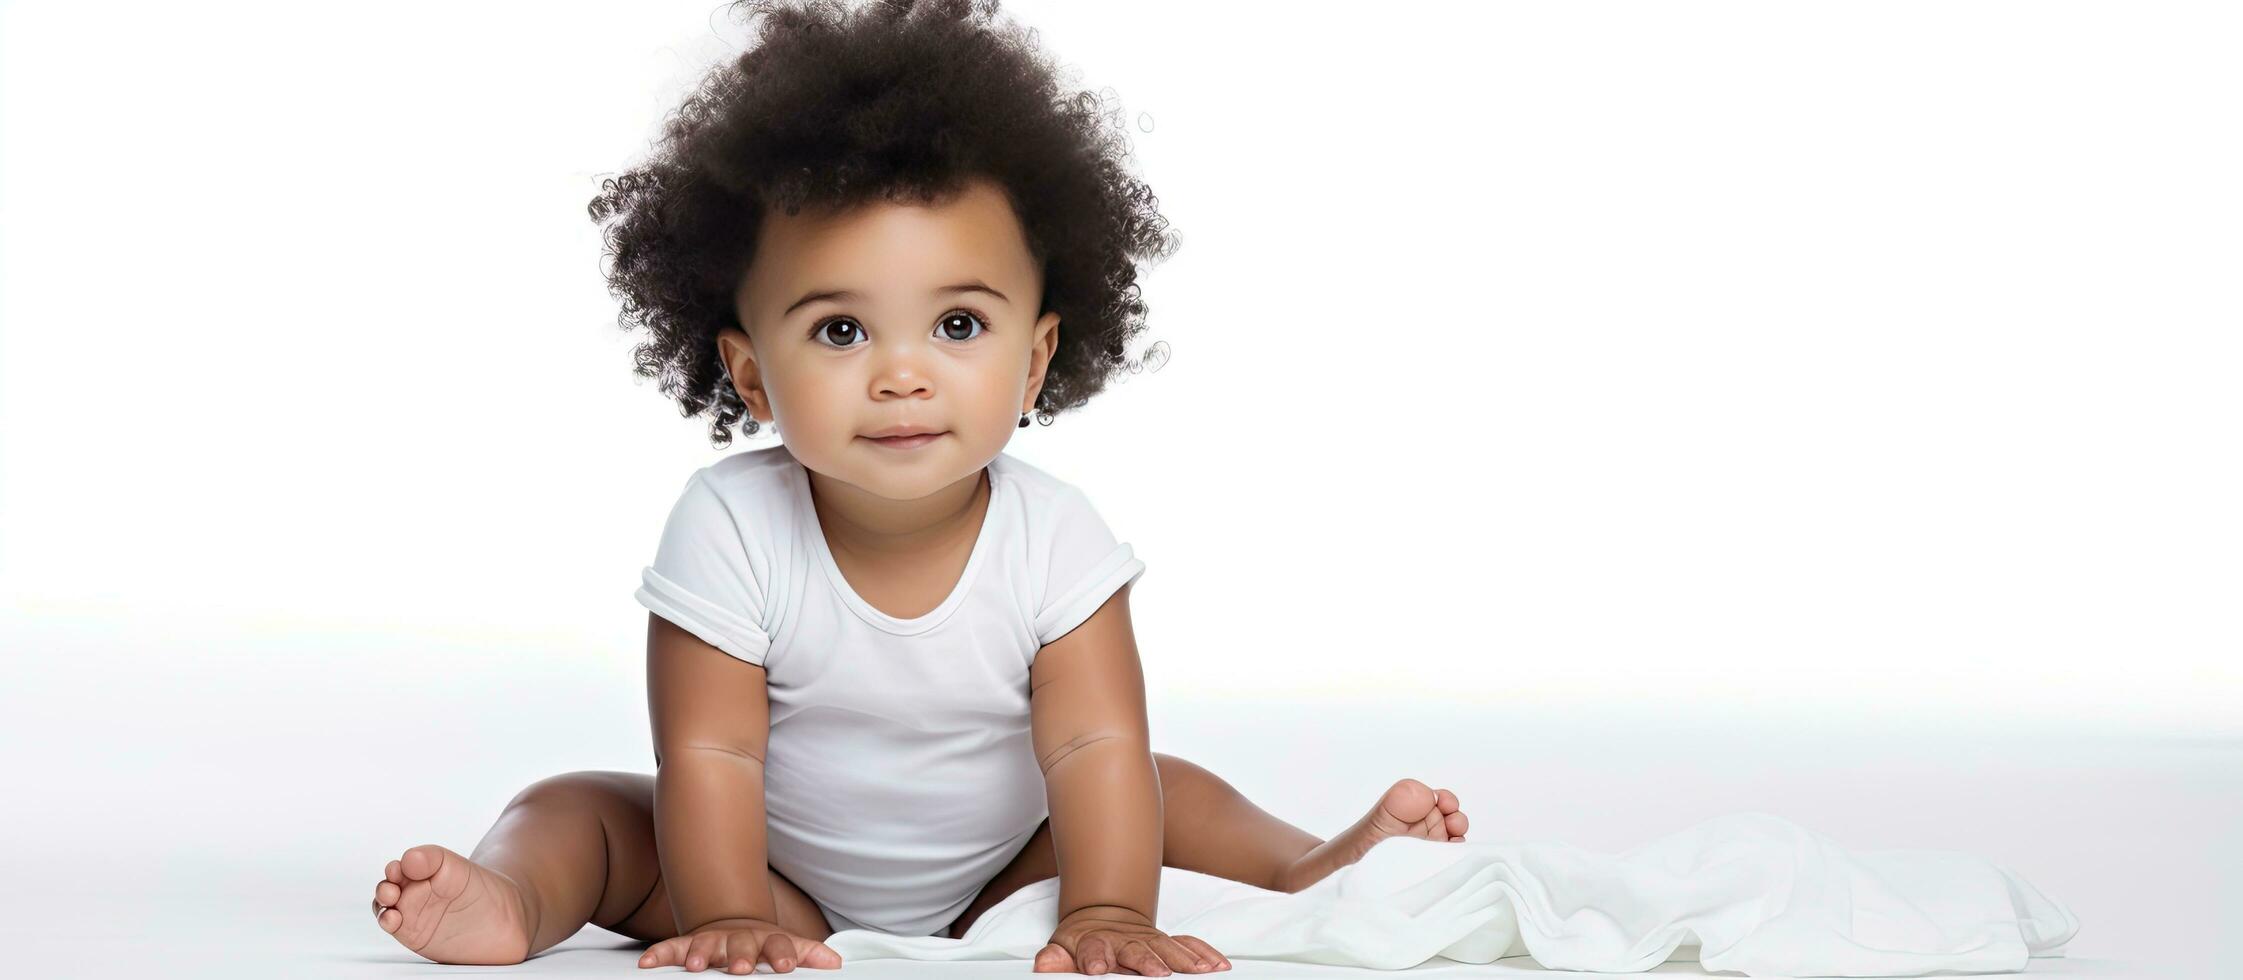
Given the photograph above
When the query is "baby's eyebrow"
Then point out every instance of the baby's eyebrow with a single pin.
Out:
(974, 286)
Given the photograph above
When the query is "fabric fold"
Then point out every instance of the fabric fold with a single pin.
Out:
(1746, 891)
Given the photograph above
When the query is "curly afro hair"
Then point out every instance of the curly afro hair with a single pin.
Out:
(900, 101)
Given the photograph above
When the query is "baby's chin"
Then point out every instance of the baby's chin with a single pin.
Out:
(905, 473)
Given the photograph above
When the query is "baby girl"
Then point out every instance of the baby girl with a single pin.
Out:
(891, 675)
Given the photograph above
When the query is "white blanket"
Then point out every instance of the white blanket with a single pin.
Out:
(1745, 891)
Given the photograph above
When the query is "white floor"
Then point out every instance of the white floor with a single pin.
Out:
(243, 848)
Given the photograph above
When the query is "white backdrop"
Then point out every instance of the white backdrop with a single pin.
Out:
(1862, 366)
(1872, 360)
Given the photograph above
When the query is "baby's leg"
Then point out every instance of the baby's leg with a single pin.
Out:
(569, 850)
(1208, 826)
(1211, 827)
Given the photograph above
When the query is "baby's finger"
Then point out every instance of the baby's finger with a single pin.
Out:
(689, 947)
(1054, 958)
(812, 953)
(1198, 945)
(704, 950)
(1138, 955)
(778, 950)
(1179, 957)
(740, 953)
(1093, 954)
(664, 953)
(739, 956)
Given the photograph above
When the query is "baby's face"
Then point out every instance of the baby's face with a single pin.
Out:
(904, 349)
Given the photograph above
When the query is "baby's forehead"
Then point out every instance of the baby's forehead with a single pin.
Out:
(879, 244)
(977, 214)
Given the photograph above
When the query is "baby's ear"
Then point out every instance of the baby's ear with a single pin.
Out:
(1047, 332)
(737, 353)
(1046, 342)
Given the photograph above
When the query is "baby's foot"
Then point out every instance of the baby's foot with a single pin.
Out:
(1409, 809)
(452, 910)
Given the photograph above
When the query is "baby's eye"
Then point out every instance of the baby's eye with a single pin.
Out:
(962, 320)
(957, 320)
(825, 329)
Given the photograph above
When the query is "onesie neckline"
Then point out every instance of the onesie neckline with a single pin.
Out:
(998, 492)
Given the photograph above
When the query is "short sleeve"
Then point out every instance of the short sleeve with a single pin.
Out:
(702, 578)
(1083, 566)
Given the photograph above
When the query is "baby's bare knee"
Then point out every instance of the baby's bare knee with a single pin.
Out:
(590, 787)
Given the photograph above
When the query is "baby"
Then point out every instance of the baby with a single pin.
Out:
(891, 674)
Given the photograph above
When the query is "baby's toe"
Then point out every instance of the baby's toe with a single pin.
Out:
(394, 872)
(1409, 800)
(387, 893)
(1446, 801)
(420, 863)
(1458, 823)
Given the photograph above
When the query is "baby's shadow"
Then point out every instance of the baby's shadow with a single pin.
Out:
(572, 958)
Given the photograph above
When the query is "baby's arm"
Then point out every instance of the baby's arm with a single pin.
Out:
(1087, 696)
(712, 722)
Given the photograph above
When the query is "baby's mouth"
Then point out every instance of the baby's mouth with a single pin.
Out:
(905, 442)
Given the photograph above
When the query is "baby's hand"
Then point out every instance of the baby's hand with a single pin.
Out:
(733, 945)
(1099, 938)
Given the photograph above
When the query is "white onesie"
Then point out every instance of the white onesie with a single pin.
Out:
(900, 775)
